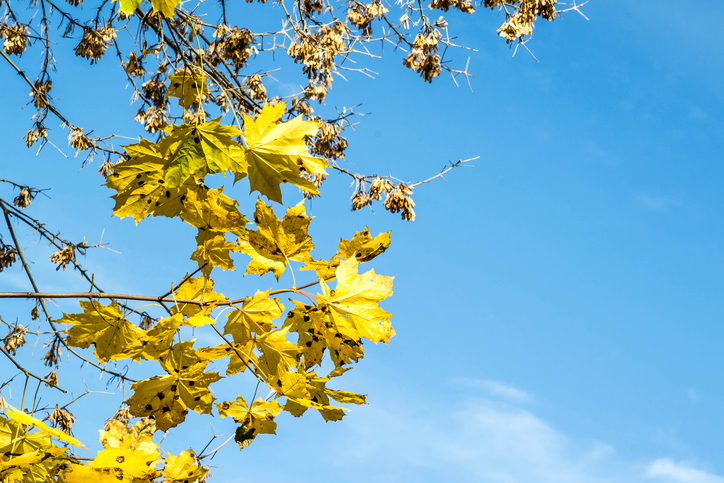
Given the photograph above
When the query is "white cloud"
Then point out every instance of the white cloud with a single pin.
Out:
(495, 388)
(665, 468)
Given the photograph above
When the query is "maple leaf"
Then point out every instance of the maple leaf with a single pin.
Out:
(14, 438)
(196, 151)
(255, 316)
(276, 152)
(319, 332)
(353, 304)
(103, 326)
(259, 419)
(187, 87)
(240, 355)
(212, 210)
(276, 242)
(128, 6)
(139, 437)
(362, 245)
(200, 289)
(166, 7)
(213, 250)
(141, 187)
(160, 337)
(168, 398)
(183, 468)
(127, 463)
(318, 398)
(28, 420)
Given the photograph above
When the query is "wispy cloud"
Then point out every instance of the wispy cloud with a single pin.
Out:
(693, 394)
(660, 203)
(496, 389)
(667, 469)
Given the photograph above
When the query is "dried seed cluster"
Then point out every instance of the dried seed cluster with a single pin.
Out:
(61, 418)
(38, 132)
(7, 255)
(154, 118)
(94, 43)
(16, 38)
(317, 51)
(134, 66)
(329, 143)
(63, 257)
(397, 197)
(361, 16)
(78, 140)
(154, 90)
(255, 87)
(233, 45)
(24, 198)
(423, 57)
(520, 23)
(15, 339)
(444, 5)
(39, 95)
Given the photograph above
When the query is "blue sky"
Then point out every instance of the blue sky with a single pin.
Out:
(558, 307)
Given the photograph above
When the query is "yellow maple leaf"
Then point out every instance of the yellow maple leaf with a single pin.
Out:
(127, 463)
(259, 419)
(201, 289)
(28, 420)
(276, 152)
(128, 6)
(168, 398)
(141, 186)
(195, 151)
(166, 7)
(255, 316)
(353, 304)
(274, 243)
(187, 87)
(183, 468)
(104, 326)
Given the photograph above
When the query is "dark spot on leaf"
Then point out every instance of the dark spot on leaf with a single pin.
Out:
(173, 387)
(197, 139)
(197, 398)
(225, 406)
(315, 399)
(307, 307)
(157, 203)
(308, 343)
(279, 382)
(183, 368)
(183, 197)
(176, 85)
(168, 194)
(160, 395)
(191, 383)
(138, 175)
(141, 183)
(315, 338)
(142, 196)
(121, 459)
(166, 409)
(161, 181)
(148, 407)
(307, 318)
